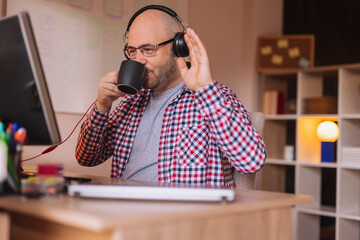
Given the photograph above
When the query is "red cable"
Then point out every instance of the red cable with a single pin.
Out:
(49, 149)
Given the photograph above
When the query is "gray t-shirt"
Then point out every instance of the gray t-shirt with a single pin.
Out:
(143, 161)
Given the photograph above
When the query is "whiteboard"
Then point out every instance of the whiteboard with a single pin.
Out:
(79, 41)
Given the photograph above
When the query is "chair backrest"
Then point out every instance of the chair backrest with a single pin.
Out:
(247, 181)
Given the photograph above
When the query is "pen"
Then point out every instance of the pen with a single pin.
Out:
(10, 128)
(13, 175)
(20, 135)
(15, 127)
(19, 139)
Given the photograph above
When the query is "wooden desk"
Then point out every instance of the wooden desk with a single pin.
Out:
(4, 226)
(254, 215)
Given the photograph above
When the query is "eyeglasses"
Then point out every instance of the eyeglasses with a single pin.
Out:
(147, 50)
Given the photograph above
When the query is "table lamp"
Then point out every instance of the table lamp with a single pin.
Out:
(328, 133)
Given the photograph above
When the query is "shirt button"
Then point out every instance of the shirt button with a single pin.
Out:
(200, 102)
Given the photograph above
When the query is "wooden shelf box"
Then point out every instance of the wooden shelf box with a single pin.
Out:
(335, 186)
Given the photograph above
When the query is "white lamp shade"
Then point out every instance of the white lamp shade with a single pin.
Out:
(328, 131)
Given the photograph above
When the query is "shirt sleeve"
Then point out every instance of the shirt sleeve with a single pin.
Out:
(93, 145)
(231, 125)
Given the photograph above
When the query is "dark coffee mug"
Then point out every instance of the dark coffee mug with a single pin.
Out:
(131, 77)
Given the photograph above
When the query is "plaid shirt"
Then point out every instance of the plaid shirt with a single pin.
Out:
(203, 136)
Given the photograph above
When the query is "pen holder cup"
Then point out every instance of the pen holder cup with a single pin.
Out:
(10, 181)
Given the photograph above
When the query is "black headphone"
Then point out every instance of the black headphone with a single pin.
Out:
(179, 45)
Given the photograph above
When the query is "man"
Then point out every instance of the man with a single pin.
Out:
(182, 127)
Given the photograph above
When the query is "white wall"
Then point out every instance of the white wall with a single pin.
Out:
(229, 30)
(2, 8)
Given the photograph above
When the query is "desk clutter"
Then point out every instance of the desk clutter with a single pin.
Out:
(48, 180)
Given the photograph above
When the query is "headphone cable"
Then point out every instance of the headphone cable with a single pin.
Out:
(52, 147)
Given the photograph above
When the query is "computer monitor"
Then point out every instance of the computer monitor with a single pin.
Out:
(24, 96)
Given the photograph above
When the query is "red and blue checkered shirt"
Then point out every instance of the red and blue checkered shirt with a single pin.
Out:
(203, 136)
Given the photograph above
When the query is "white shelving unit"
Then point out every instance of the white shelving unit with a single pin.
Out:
(335, 186)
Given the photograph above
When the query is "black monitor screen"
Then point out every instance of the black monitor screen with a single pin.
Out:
(24, 96)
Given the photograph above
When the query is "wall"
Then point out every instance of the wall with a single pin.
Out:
(333, 23)
(79, 41)
(2, 8)
(229, 30)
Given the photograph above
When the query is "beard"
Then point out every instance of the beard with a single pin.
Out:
(166, 74)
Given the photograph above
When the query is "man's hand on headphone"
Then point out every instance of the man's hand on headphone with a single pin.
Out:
(199, 74)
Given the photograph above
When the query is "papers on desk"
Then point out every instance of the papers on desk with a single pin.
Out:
(141, 190)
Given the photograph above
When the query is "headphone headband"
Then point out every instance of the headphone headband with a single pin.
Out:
(156, 7)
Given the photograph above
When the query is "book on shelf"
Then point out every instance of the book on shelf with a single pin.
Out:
(273, 102)
(350, 154)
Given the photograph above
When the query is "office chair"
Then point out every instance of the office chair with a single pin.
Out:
(247, 181)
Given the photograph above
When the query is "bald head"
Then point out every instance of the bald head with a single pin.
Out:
(157, 22)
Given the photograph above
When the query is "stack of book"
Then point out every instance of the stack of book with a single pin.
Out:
(350, 155)
(320, 105)
(273, 102)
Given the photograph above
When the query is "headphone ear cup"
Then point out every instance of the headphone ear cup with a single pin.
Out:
(180, 47)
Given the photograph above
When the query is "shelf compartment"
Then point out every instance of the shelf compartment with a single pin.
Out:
(329, 211)
(350, 192)
(346, 165)
(350, 217)
(318, 85)
(319, 183)
(279, 162)
(278, 134)
(285, 83)
(350, 132)
(276, 178)
(349, 229)
(309, 149)
(349, 91)
(312, 226)
(350, 116)
(319, 165)
(282, 117)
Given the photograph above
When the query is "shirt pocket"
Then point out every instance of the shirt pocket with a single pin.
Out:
(192, 146)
